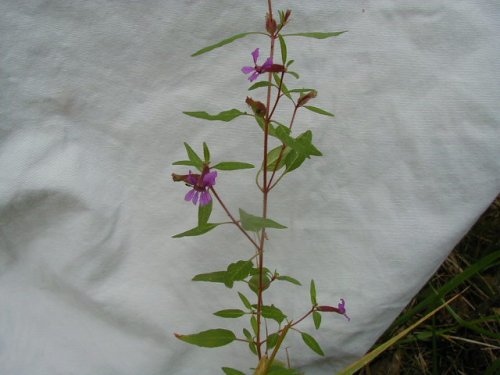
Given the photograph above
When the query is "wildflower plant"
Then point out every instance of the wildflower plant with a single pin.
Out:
(265, 325)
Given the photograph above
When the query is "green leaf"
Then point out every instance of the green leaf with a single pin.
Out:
(261, 84)
(283, 49)
(312, 291)
(316, 319)
(222, 116)
(293, 161)
(204, 214)
(280, 370)
(278, 80)
(184, 162)
(296, 75)
(230, 313)
(232, 371)
(255, 223)
(272, 312)
(273, 156)
(312, 343)
(247, 334)
(253, 283)
(289, 63)
(193, 157)
(289, 279)
(206, 153)
(319, 110)
(302, 90)
(245, 301)
(317, 35)
(198, 231)
(224, 42)
(302, 144)
(253, 323)
(232, 165)
(209, 339)
(252, 347)
(237, 271)
(272, 340)
(212, 277)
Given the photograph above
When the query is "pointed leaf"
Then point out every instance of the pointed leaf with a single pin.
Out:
(245, 301)
(232, 371)
(302, 90)
(253, 323)
(319, 110)
(230, 313)
(184, 162)
(204, 214)
(312, 343)
(247, 334)
(272, 312)
(212, 277)
(198, 231)
(232, 165)
(317, 35)
(283, 48)
(193, 157)
(293, 161)
(206, 153)
(238, 271)
(294, 74)
(280, 370)
(224, 42)
(211, 338)
(289, 279)
(313, 293)
(272, 340)
(317, 319)
(255, 223)
(261, 84)
(222, 116)
(302, 144)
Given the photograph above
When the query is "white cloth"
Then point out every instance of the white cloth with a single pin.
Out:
(91, 101)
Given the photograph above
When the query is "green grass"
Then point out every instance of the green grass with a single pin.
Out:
(463, 337)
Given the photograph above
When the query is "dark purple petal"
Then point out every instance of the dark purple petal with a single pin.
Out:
(209, 179)
(268, 63)
(253, 77)
(255, 55)
(189, 195)
(247, 69)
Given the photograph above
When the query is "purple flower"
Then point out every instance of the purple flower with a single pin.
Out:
(257, 70)
(340, 309)
(201, 185)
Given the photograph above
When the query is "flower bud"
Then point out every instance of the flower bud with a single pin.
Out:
(258, 108)
(305, 98)
(270, 24)
(287, 16)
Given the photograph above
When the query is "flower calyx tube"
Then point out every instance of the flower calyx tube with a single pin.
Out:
(340, 309)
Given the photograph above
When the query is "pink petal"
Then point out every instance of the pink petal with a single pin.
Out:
(206, 198)
(255, 55)
(253, 77)
(209, 179)
(195, 198)
(189, 195)
(247, 69)
(268, 63)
